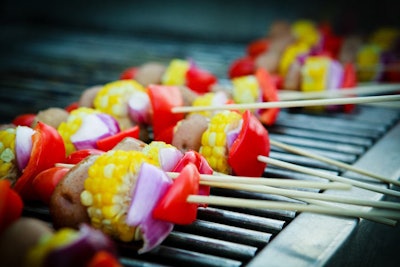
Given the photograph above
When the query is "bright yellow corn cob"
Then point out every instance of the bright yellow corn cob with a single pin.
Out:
(214, 143)
(37, 254)
(204, 100)
(74, 121)
(152, 151)
(114, 96)
(245, 89)
(108, 188)
(290, 54)
(7, 152)
(175, 74)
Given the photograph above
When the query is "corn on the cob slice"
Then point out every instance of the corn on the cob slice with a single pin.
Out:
(175, 74)
(246, 89)
(214, 143)
(290, 54)
(114, 96)
(7, 152)
(69, 127)
(152, 151)
(108, 190)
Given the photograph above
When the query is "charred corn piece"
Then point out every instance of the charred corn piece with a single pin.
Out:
(246, 89)
(7, 151)
(214, 142)
(175, 74)
(68, 128)
(114, 96)
(107, 192)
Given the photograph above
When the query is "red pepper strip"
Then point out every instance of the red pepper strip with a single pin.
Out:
(202, 166)
(79, 155)
(10, 205)
(253, 140)
(24, 119)
(349, 81)
(111, 141)
(163, 98)
(173, 206)
(199, 80)
(47, 149)
(270, 93)
(103, 259)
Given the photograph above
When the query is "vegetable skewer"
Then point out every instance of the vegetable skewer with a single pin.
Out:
(291, 104)
(331, 161)
(329, 176)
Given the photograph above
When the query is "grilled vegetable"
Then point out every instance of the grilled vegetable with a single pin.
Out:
(8, 167)
(214, 141)
(107, 193)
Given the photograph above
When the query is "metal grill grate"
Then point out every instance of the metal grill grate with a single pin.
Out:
(53, 68)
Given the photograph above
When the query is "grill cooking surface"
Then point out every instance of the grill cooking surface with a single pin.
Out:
(52, 67)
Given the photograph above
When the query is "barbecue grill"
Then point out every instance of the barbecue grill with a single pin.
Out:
(48, 61)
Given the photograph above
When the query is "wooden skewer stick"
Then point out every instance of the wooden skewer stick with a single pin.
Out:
(330, 205)
(360, 90)
(308, 195)
(204, 178)
(328, 176)
(280, 205)
(339, 164)
(291, 104)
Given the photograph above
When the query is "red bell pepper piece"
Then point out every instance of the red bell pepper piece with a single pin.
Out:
(79, 155)
(241, 67)
(269, 93)
(46, 181)
(111, 141)
(199, 80)
(257, 47)
(202, 165)
(47, 149)
(72, 106)
(252, 141)
(163, 98)
(129, 73)
(24, 119)
(10, 205)
(173, 206)
(104, 259)
(349, 81)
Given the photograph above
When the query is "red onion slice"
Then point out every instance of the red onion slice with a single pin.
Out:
(151, 185)
(23, 145)
(139, 107)
(232, 135)
(169, 157)
(93, 128)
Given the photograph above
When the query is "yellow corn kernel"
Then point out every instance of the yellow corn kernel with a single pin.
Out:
(113, 99)
(107, 191)
(315, 74)
(245, 89)
(213, 141)
(152, 150)
(68, 128)
(7, 151)
(175, 74)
